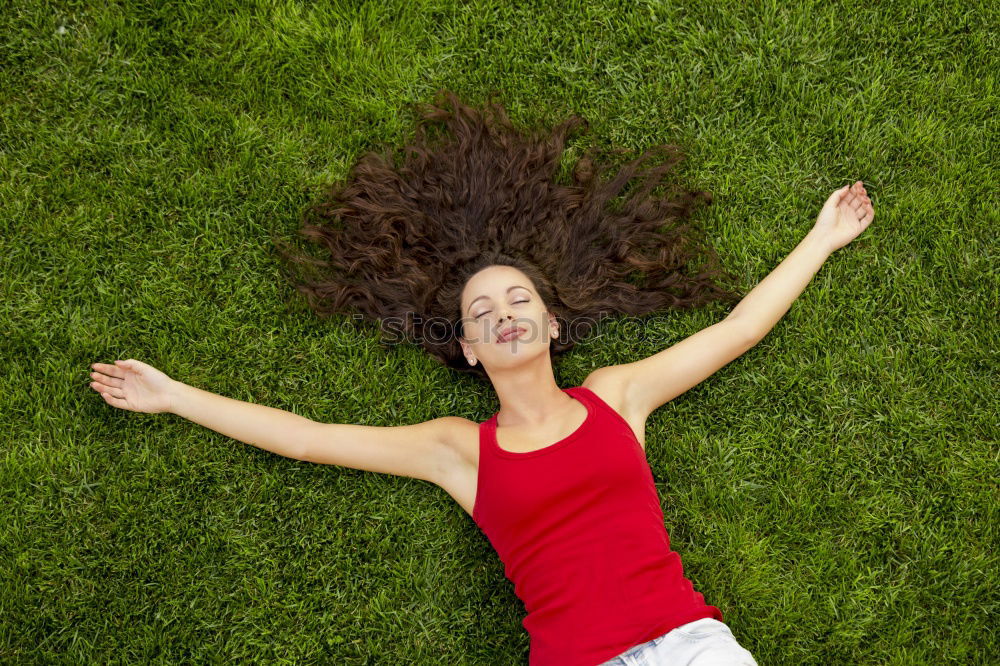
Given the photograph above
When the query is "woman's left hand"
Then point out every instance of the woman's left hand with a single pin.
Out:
(845, 214)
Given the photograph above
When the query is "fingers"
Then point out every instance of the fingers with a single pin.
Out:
(853, 202)
(858, 201)
(103, 389)
(120, 403)
(110, 370)
(849, 204)
(106, 379)
(850, 198)
(859, 190)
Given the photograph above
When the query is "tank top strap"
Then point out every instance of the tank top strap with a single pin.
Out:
(585, 394)
(487, 429)
(482, 438)
(486, 459)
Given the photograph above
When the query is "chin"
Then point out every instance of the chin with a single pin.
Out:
(521, 353)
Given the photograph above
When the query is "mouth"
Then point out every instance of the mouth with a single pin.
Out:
(510, 335)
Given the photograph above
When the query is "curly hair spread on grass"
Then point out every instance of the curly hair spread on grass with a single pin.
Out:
(401, 241)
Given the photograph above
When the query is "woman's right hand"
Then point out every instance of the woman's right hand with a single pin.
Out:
(132, 385)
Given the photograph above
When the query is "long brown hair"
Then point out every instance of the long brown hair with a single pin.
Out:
(402, 240)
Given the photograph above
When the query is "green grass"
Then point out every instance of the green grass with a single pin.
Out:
(834, 491)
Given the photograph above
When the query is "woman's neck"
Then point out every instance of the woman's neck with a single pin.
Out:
(528, 398)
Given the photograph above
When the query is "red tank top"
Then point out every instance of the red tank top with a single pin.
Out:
(579, 529)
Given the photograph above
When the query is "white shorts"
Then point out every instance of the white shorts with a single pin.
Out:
(704, 642)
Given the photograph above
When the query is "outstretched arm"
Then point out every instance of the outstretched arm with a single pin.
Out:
(768, 302)
(139, 387)
(275, 430)
(653, 381)
(846, 213)
(420, 450)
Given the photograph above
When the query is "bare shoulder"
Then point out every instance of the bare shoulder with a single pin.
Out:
(459, 435)
(611, 387)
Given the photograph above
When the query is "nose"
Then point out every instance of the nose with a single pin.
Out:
(504, 321)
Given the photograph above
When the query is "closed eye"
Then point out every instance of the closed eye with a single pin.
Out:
(488, 311)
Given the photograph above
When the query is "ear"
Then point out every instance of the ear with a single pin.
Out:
(467, 351)
(553, 326)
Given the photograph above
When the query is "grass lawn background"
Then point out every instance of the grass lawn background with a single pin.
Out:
(833, 491)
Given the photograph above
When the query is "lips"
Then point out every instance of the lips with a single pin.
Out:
(510, 333)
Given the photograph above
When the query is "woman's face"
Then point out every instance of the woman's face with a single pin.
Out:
(494, 300)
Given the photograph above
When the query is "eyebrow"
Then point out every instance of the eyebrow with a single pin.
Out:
(509, 289)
